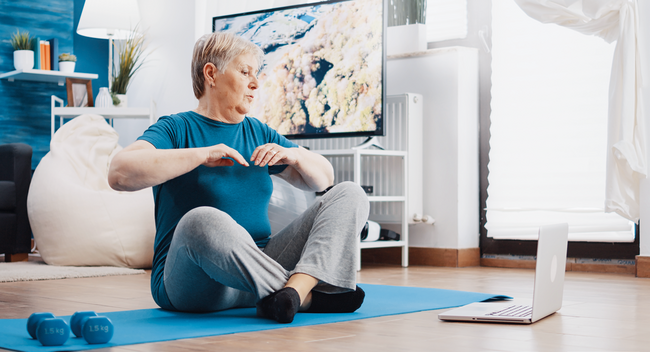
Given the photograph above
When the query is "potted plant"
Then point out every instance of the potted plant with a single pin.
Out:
(67, 62)
(129, 61)
(23, 50)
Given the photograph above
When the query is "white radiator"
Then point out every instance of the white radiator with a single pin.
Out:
(384, 173)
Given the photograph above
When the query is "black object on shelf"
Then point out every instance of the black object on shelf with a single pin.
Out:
(367, 189)
(364, 231)
(388, 235)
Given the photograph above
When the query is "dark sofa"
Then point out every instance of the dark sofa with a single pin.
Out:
(15, 177)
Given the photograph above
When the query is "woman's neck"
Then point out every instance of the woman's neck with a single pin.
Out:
(212, 111)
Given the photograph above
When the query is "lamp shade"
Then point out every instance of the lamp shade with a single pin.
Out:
(108, 19)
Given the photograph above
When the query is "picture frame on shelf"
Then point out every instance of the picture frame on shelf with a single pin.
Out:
(80, 92)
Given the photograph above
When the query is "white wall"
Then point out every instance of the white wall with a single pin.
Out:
(165, 76)
(447, 78)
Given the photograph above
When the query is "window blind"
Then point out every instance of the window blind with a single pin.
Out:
(548, 130)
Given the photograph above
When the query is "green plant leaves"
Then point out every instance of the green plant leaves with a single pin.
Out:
(67, 57)
(129, 61)
(21, 41)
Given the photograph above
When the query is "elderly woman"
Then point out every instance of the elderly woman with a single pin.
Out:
(210, 172)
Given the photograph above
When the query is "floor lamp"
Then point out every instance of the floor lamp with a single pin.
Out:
(109, 19)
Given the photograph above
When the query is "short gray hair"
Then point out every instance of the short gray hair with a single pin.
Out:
(220, 49)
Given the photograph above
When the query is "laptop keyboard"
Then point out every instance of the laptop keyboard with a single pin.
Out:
(513, 311)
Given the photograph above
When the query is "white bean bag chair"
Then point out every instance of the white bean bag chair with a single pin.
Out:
(76, 218)
(287, 203)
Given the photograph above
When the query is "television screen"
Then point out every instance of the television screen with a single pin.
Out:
(323, 72)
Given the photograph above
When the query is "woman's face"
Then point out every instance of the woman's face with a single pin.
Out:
(235, 87)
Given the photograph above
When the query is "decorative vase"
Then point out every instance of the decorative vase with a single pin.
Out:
(123, 100)
(66, 66)
(103, 99)
(24, 59)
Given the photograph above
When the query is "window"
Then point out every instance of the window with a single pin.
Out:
(548, 130)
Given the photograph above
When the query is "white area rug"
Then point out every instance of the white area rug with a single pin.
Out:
(36, 270)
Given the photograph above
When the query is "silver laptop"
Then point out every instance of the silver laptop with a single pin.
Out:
(549, 286)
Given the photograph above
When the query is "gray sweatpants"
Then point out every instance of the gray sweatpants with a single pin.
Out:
(214, 264)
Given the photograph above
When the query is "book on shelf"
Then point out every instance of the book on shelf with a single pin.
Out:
(42, 49)
(36, 45)
(45, 52)
(54, 54)
(47, 55)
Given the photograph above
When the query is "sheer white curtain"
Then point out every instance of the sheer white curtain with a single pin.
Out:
(548, 130)
(612, 20)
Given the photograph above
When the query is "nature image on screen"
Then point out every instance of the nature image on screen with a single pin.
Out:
(322, 71)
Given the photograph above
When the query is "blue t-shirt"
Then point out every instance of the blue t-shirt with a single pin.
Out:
(242, 192)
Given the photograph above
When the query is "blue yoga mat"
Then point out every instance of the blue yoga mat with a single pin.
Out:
(154, 325)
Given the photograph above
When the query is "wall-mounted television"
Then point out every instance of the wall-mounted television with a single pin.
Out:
(323, 72)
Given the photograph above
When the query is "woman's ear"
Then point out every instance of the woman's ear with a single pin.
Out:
(210, 72)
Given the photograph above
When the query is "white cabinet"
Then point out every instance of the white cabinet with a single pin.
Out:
(109, 113)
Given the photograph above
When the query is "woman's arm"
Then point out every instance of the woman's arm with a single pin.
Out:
(141, 165)
(306, 170)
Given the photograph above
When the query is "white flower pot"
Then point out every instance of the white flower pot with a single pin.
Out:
(24, 59)
(410, 38)
(66, 66)
(123, 100)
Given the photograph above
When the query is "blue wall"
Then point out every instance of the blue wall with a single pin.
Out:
(25, 106)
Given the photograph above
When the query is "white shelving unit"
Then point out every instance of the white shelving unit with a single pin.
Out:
(45, 76)
(108, 113)
(357, 155)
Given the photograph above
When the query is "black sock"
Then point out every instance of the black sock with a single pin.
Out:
(347, 302)
(281, 305)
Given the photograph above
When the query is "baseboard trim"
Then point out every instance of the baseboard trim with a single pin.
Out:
(467, 257)
(642, 268)
(446, 257)
(571, 265)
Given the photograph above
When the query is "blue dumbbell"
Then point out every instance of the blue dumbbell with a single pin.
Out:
(34, 319)
(52, 332)
(97, 329)
(75, 321)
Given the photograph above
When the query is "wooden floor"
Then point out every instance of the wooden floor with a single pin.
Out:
(601, 312)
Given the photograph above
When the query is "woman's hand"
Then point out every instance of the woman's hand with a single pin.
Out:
(305, 170)
(217, 154)
(273, 154)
